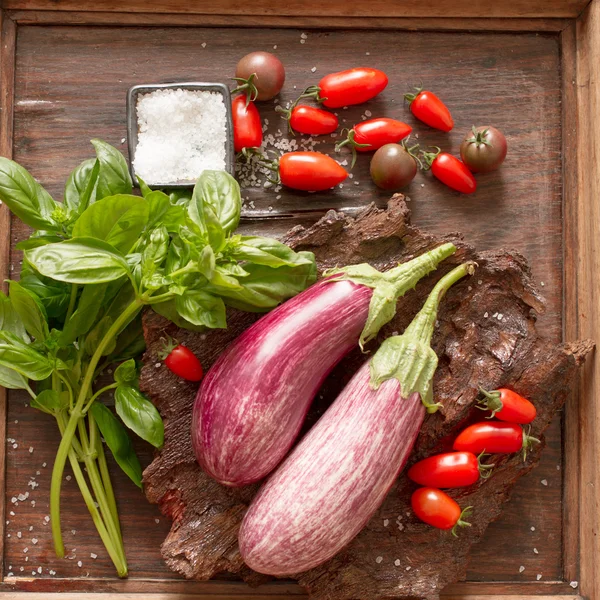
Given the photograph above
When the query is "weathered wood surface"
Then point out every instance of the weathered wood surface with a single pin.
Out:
(70, 86)
(407, 8)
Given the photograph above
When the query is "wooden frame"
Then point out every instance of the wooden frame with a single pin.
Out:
(578, 24)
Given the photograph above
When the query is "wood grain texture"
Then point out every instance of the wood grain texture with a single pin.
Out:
(7, 64)
(59, 106)
(55, 17)
(407, 8)
(571, 456)
(583, 291)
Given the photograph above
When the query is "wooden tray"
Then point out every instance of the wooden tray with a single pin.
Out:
(528, 66)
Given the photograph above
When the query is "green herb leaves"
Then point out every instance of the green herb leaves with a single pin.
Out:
(79, 260)
(139, 414)
(114, 174)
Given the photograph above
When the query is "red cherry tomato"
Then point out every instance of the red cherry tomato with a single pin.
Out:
(493, 437)
(310, 171)
(437, 509)
(353, 86)
(449, 470)
(427, 107)
(373, 134)
(184, 363)
(450, 171)
(312, 121)
(508, 406)
(247, 128)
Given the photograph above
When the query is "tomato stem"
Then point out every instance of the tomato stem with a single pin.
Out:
(479, 137)
(411, 97)
(460, 523)
(168, 345)
(528, 442)
(248, 87)
(429, 157)
(490, 402)
(312, 91)
(485, 470)
(350, 133)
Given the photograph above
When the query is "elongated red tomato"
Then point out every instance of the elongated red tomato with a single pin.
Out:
(373, 134)
(247, 128)
(310, 171)
(448, 470)
(508, 406)
(184, 363)
(436, 508)
(427, 107)
(494, 437)
(454, 173)
(353, 86)
(312, 121)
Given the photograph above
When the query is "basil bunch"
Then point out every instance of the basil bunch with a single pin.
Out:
(91, 266)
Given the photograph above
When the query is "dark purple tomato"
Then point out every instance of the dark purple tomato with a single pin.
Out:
(260, 75)
(392, 167)
(484, 149)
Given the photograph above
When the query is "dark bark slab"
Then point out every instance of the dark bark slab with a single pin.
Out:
(486, 336)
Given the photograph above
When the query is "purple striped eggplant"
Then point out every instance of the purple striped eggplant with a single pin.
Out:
(337, 477)
(252, 402)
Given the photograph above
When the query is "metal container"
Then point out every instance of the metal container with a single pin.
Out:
(132, 123)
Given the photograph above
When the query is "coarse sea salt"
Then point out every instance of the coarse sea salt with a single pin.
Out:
(180, 134)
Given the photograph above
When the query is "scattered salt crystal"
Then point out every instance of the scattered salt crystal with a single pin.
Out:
(23, 497)
(356, 183)
(542, 283)
(538, 576)
(12, 514)
(422, 185)
(485, 315)
(203, 44)
(408, 568)
(278, 197)
(79, 564)
(313, 69)
(27, 557)
(521, 569)
(19, 535)
(480, 282)
(181, 134)
(500, 315)
(157, 365)
(535, 551)
(8, 535)
(73, 531)
(16, 421)
(123, 140)
(533, 529)
(303, 36)
(44, 465)
(21, 569)
(379, 560)
(25, 550)
(303, 41)
(157, 521)
(397, 562)
(34, 541)
(13, 500)
(68, 478)
(544, 482)
(33, 484)
(94, 556)
(52, 572)
(47, 519)
(275, 47)
(368, 113)
(574, 584)
(386, 522)
(368, 53)
(15, 446)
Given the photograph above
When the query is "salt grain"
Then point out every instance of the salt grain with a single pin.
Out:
(574, 584)
(521, 569)
(408, 568)
(303, 36)
(303, 41)
(157, 521)
(94, 556)
(533, 529)
(485, 315)
(34, 541)
(544, 482)
(52, 572)
(79, 564)
(181, 134)
(68, 478)
(203, 44)
(538, 576)
(397, 562)
(313, 69)
(535, 551)
(275, 47)
(379, 560)
(386, 522)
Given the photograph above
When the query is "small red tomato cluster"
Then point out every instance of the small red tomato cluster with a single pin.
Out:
(464, 466)
(180, 360)
(261, 75)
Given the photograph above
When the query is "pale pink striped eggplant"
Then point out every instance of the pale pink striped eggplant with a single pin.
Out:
(252, 402)
(333, 482)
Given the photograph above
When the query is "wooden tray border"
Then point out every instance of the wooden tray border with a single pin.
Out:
(577, 22)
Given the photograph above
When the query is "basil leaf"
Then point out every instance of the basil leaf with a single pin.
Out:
(267, 251)
(264, 287)
(50, 402)
(30, 309)
(17, 355)
(169, 311)
(144, 188)
(158, 206)
(96, 335)
(223, 280)
(79, 260)
(53, 295)
(155, 251)
(114, 175)
(200, 308)
(131, 342)
(118, 220)
(25, 197)
(180, 197)
(206, 221)
(233, 269)
(10, 320)
(118, 441)
(140, 415)
(178, 255)
(207, 262)
(221, 193)
(11, 379)
(80, 189)
(81, 321)
(39, 240)
(126, 373)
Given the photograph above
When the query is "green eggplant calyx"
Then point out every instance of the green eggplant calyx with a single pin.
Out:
(390, 285)
(409, 357)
